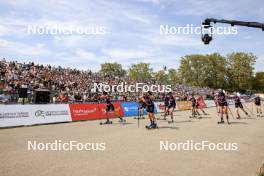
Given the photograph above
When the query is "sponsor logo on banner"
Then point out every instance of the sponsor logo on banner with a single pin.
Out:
(85, 111)
(18, 115)
(40, 113)
(13, 114)
(184, 105)
(94, 111)
(131, 108)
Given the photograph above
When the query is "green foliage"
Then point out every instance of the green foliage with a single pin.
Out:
(240, 70)
(173, 77)
(235, 72)
(113, 69)
(140, 71)
(258, 82)
(161, 77)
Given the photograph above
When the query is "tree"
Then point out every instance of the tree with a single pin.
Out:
(215, 71)
(258, 82)
(173, 77)
(240, 70)
(112, 69)
(233, 72)
(140, 71)
(161, 77)
(192, 70)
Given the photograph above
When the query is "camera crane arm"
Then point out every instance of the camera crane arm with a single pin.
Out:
(234, 22)
(206, 38)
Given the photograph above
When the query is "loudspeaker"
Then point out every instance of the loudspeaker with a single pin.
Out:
(22, 93)
(42, 97)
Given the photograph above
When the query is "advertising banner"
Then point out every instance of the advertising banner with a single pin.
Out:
(130, 108)
(159, 106)
(18, 115)
(230, 101)
(201, 103)
(210, 103)
(94, 111)
(184, 105)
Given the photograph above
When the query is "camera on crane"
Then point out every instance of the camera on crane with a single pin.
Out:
(206, 33)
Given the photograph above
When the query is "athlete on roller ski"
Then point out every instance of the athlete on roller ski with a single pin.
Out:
(223, 106)
(149, 100)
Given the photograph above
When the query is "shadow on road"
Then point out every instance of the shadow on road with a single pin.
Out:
(169, 127)
(243, 123)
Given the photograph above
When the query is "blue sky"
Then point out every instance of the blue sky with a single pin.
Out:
(132, 31)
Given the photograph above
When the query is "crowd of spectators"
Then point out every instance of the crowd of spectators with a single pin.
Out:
(68, 85)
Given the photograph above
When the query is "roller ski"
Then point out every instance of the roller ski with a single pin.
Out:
(139, 118)
(151, 126)
(260, 115)
(108, 122)
(222, 122)
(162, 118)
(171, 121)
(121, 120)
(192, 116)
(198, 115)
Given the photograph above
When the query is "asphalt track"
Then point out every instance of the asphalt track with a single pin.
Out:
(136, 151)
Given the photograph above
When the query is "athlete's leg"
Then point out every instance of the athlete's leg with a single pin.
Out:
(244, 111)
(203, 111)
(221, 108)
(226, 112)
(172, 109)
(238, 115)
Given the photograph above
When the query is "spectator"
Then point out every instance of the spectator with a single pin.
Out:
(5, 97)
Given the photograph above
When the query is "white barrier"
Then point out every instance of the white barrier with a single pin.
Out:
(159, 106)
(210, 103)
(19, 115)
(230, 102)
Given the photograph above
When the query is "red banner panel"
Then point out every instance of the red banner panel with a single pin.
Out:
(94, 111)
(201, 103)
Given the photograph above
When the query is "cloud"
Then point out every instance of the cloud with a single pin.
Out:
(87, 56)
(259, 63)
(176, 40)
(22, 49)
(121, 54)
(66, 41)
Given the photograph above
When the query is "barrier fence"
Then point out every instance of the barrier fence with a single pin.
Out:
(20, 115)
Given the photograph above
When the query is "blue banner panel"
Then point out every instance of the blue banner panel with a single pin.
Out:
(131, 109)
